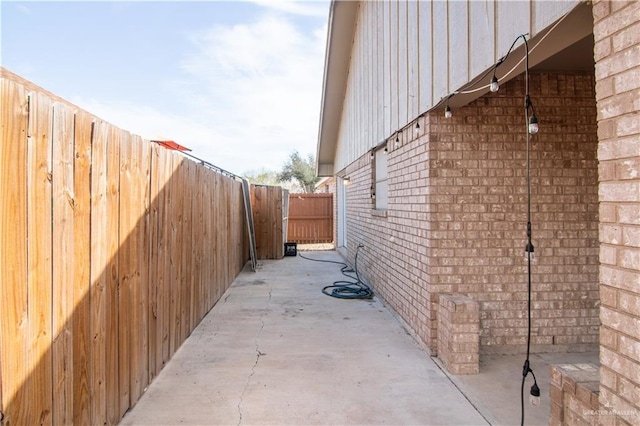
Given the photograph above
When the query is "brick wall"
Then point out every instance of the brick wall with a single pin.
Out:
(394, 258)
(477, 187)
(574, 396)
(617, 55)
(457, 215)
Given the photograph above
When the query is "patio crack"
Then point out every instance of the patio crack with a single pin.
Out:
(259, 354)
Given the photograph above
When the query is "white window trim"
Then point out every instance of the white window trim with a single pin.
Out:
(380, 179)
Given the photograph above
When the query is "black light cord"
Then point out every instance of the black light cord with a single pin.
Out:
(342, 289)
(526, 369)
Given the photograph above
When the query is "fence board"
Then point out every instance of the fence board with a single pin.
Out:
(227, 235)
(219, 249)
(126, 262)
(174, 284)
(170, 164)
(310, 218)
(39, 254)
(99, 261)
(186, 284)
(156, 249)
(210, 243)
(198, 239)
(139, 279)
(63, 252)
(82, 273)
(112, 271)
(13, 255)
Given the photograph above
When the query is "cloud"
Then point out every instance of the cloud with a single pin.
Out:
(148, 122)
(248, 95)
(296, 7)
(259, 85)
(24, 9)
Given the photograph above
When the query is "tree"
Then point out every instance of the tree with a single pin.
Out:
(262, 177)
(269, 177)
(300, 170)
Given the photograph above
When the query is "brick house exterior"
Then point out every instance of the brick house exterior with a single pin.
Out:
(617, 55)
(446, 251)
(456, 217)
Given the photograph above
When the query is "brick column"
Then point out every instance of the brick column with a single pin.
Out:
(617, 54)
(574, 394)
(459, 333)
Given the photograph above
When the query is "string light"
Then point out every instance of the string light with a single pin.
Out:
(533, 124)
(447, 112)
(417, 128)
(494, 86)
(534, 394)
(397, 143)
(529, 253)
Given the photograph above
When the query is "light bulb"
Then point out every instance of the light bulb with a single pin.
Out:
(447, 112)
(417, 128)
(534, 395)
(346, 181)
(529, 253)
(494, 84)
(397, 144)
(533, 124)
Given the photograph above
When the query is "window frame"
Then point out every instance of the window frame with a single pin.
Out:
(380, 179)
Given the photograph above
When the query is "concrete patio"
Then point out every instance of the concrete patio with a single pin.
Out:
(276, 350)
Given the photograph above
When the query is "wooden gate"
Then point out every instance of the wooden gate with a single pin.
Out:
(310, 218)
(268, 218)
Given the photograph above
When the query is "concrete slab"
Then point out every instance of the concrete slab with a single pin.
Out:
(275, 350)
(495, 391)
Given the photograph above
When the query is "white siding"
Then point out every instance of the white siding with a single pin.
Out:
(386, 68)
(403, 64)
(394, 67)
(380, 111)
(413, 57)
(547, 12)
(425, 55)
(513, 18)
(408, 55)
(458, 37)
(481, 42)
(440, 36)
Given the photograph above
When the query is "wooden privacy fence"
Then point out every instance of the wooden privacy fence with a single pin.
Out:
(310, 218)
(268, 216)
(111, 251)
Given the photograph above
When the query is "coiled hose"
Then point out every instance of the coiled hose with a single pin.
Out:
(346, 289)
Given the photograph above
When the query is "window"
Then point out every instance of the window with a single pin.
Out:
(380, 187)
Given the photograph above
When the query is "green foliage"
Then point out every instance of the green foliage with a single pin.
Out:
(300, 170)
(262, 177)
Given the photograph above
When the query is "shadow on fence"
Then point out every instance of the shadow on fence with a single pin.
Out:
(112, 251)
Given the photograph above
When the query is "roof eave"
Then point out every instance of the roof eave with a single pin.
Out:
(342, 18)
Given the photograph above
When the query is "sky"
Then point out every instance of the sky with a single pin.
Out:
(238, 82)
